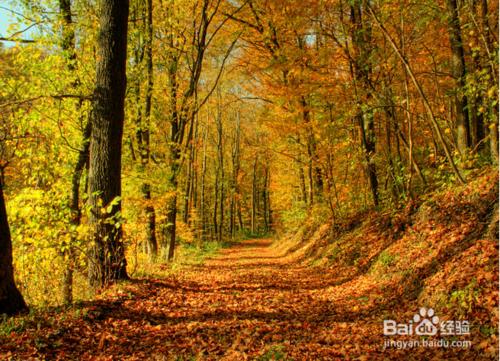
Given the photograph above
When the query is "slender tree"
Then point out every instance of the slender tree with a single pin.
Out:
(68, 47)
(361, 40)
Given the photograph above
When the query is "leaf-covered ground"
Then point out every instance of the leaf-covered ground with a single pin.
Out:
(249, 302)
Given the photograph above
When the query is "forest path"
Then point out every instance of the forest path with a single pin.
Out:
(248, 302)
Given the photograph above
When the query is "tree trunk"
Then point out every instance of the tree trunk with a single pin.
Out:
(220, 168)
(366, 126)
(108, 261)
(68, 46)
(302, 180)
(11, 300)
(188, 185)
(76, 213)
(315, 172)
(254, 196)
(494, 140)
(267, 200)
(171, 227)
(361, 39)
(458, 71)
(145, 136)
(215, 228)
(234, 181)
(202, 226)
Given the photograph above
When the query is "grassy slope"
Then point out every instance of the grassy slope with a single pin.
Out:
(439, 252)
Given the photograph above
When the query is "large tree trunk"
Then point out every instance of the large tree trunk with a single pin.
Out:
(108, 261)
(458, 71)
(11, 300)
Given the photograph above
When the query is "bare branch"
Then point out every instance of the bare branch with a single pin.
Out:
(15, 40)
(226, 56)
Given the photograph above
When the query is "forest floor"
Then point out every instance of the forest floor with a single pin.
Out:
(248, 302)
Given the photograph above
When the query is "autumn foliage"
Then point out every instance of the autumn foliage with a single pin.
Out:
(276, 178)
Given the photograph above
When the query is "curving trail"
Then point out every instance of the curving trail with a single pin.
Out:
(246, 303)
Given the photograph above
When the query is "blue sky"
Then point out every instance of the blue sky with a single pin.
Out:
(6, 17)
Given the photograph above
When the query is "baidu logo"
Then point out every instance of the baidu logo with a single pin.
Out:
(426, 323)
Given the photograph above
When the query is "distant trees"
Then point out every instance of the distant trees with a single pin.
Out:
(394, 104)
(186, 41)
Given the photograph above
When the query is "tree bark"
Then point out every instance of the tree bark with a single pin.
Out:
(11, 300)
(361, 39)
(144, 136)
(235, 156)
(76, 212)
(254, 196)
(108, 261)
(315, 172)
(68, 47)
(172, 209)
(458, 71)
(202, 226)
(220, 168)
(302, 183)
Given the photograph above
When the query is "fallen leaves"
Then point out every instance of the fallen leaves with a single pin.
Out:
(252, 303)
